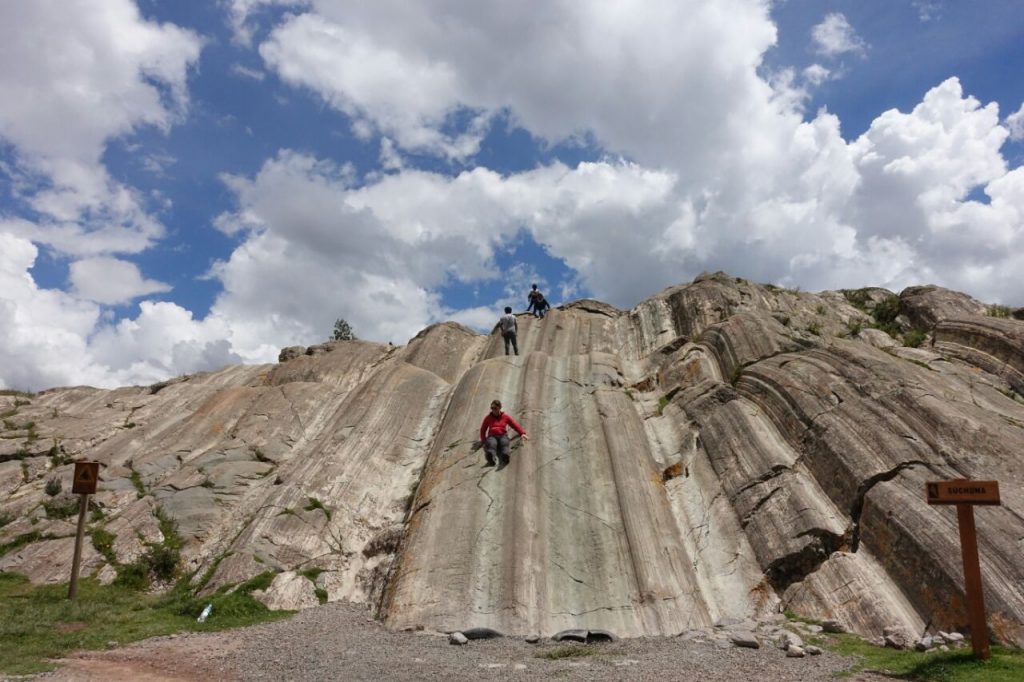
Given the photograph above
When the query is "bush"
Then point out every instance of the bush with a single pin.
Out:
(998, 311)
(914, 338)
(53, 487)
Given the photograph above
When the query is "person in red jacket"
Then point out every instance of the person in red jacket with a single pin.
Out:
(494, 435)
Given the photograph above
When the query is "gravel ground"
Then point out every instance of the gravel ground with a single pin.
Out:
(340, 642)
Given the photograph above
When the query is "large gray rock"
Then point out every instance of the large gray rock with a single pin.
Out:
(720, 452)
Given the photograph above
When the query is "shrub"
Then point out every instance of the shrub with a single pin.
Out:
(854, 327)
(53, 487)
(61, 508)
(999, 311)
(814, 328)
(914, 338)
(885, 314)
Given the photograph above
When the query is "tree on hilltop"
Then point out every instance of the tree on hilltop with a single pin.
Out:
(343, 331)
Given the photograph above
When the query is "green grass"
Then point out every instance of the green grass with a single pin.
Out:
(914, 338)
(39, 623)
(569, 651)
(662, 404)
(140, 487)
(314, 503)
(999, 311)
(958, 665)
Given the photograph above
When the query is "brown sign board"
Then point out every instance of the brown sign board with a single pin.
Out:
(86, 476)
(963, 492)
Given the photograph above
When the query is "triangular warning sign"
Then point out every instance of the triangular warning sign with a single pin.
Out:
(86, 475)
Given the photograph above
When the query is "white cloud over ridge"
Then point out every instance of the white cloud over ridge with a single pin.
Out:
(722, 170)
(835, 36)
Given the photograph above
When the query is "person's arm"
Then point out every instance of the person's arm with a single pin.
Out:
(519, 429)
(483, 428)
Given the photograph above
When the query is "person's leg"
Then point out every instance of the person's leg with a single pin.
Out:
(515, 346)
(506, 337)
(490, 448)
(503, 450)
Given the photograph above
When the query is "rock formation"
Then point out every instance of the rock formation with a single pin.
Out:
(722, 450)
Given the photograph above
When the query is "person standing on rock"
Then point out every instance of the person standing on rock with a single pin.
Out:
(494, 435)
(508, 327)
(535, 298)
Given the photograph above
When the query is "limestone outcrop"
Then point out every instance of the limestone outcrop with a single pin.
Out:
(722, 450)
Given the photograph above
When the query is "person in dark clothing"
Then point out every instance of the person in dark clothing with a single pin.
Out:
(494, 435)
(534, 298)
(508, 327)
(541, 306)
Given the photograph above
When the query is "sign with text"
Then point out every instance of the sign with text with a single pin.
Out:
(86, 476)
(963, 492)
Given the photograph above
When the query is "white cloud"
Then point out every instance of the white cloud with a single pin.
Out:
(111, 281)
(816, 74)
(1015, 124)
(246, 72)
(723, 171)
(835, 36)
(77, 74)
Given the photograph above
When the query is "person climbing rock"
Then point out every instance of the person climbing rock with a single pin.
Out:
(508, 327)
(540, 306)
(534, 298)
(494, 435)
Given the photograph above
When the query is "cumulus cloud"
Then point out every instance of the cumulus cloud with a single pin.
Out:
(77, 74)
(710, 165)
(835, 36)
(1015, 124)
(111, 281)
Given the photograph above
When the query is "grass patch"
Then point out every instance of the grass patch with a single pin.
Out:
(53, 487)
(958, 665)
(5, 518)
(914, 338)
(61, 508)
(662, 404)
(136, 478)
(321, 594)
(314, 503)
(568, 651)
(20, 541)
(993, 311)
(34, 619)
(814, 328)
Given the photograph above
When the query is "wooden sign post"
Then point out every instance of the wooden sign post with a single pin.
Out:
(86, 476)
(965, 494)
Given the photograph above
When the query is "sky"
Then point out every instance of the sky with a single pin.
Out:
(186, 184)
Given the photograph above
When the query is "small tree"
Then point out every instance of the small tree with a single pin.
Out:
(342, 331)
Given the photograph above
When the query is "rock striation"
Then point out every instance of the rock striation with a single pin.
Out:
(721, 452)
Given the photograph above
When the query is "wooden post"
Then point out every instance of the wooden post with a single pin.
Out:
(84, 484)
(972, 580)
(965, 494)
(83, 506)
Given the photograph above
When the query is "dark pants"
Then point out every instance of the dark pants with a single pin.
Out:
(510, 337)
(496, 445)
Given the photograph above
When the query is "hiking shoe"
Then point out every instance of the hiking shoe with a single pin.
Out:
(488, 463)
(502, 465)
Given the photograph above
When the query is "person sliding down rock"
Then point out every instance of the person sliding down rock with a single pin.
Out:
(494, 435)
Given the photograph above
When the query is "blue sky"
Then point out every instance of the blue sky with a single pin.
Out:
(189, 184)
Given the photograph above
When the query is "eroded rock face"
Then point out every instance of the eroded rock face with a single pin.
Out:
(720, 452)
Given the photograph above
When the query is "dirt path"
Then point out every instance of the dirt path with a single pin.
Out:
(339, 642)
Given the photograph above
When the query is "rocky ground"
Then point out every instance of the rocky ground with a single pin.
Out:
(340, 641)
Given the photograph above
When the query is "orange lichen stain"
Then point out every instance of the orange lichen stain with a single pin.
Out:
(217, 428)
